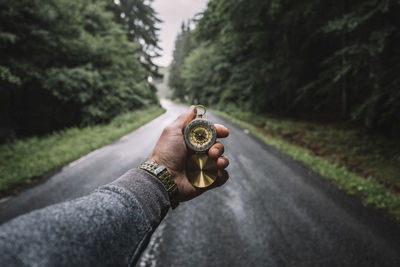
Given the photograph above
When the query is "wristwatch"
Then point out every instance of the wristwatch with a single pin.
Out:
(165, 178)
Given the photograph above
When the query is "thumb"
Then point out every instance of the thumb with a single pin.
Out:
(185, 118)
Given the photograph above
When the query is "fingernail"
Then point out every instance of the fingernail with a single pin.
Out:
(215, 150)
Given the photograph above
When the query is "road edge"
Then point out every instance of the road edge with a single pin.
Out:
(37, 180)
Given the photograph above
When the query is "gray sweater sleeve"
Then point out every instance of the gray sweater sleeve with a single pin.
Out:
(109, 227)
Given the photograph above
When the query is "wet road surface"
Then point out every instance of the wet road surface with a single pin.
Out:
(272, 212)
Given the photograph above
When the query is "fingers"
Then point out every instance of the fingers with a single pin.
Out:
(222, 131)
(216, 150)
(222, 162)
(222, 178)
(223, 175)
(185, 118)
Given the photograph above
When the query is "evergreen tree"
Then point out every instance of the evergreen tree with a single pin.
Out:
(139, 19)
(65, 63)
(182, 49)
(332, 59)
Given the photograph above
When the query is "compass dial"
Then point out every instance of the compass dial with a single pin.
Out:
(200, 135)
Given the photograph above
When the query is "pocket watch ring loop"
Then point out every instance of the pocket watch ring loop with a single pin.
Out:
(203, 108)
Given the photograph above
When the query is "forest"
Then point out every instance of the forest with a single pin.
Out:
(74, 63)
(310, 92)
(327, 60)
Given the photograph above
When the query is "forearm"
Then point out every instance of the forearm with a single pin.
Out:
(109, 227)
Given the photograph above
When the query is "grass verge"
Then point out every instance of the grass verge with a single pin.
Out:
(363, 164)
(22, 161)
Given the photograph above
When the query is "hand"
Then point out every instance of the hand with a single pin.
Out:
(171, 152)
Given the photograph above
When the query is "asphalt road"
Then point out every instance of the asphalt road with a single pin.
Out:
(272, 212)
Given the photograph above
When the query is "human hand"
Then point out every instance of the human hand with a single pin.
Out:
(171, 152)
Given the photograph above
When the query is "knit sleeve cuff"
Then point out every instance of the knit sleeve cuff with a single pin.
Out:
(149, 191)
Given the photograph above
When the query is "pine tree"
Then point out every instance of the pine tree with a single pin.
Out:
(140, 20)
(181, 51)
(330, 59)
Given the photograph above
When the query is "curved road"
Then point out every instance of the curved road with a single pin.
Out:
(272, 212)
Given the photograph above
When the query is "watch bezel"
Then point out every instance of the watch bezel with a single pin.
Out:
(194, 123)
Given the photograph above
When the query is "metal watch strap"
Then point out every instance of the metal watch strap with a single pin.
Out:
(165, 177)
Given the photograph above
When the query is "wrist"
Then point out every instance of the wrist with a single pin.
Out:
(161, 173)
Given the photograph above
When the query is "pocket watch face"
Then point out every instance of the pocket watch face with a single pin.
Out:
(200, 135)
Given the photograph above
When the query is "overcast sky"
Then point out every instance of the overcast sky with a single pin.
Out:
(173, 12)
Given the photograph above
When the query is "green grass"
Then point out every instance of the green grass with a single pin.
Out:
(361, 163)
(21, 161)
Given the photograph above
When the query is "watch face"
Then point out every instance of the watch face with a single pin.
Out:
(200, 135)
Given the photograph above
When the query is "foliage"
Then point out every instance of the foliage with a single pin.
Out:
(198, 80)
(376, 180)
(66, 63)
(139, 19)
(23, 160)
(182, 49)
(336, 59)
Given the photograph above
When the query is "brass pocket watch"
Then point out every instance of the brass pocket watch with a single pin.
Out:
(200, 135)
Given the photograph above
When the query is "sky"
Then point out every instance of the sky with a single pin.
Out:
(172, 13)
